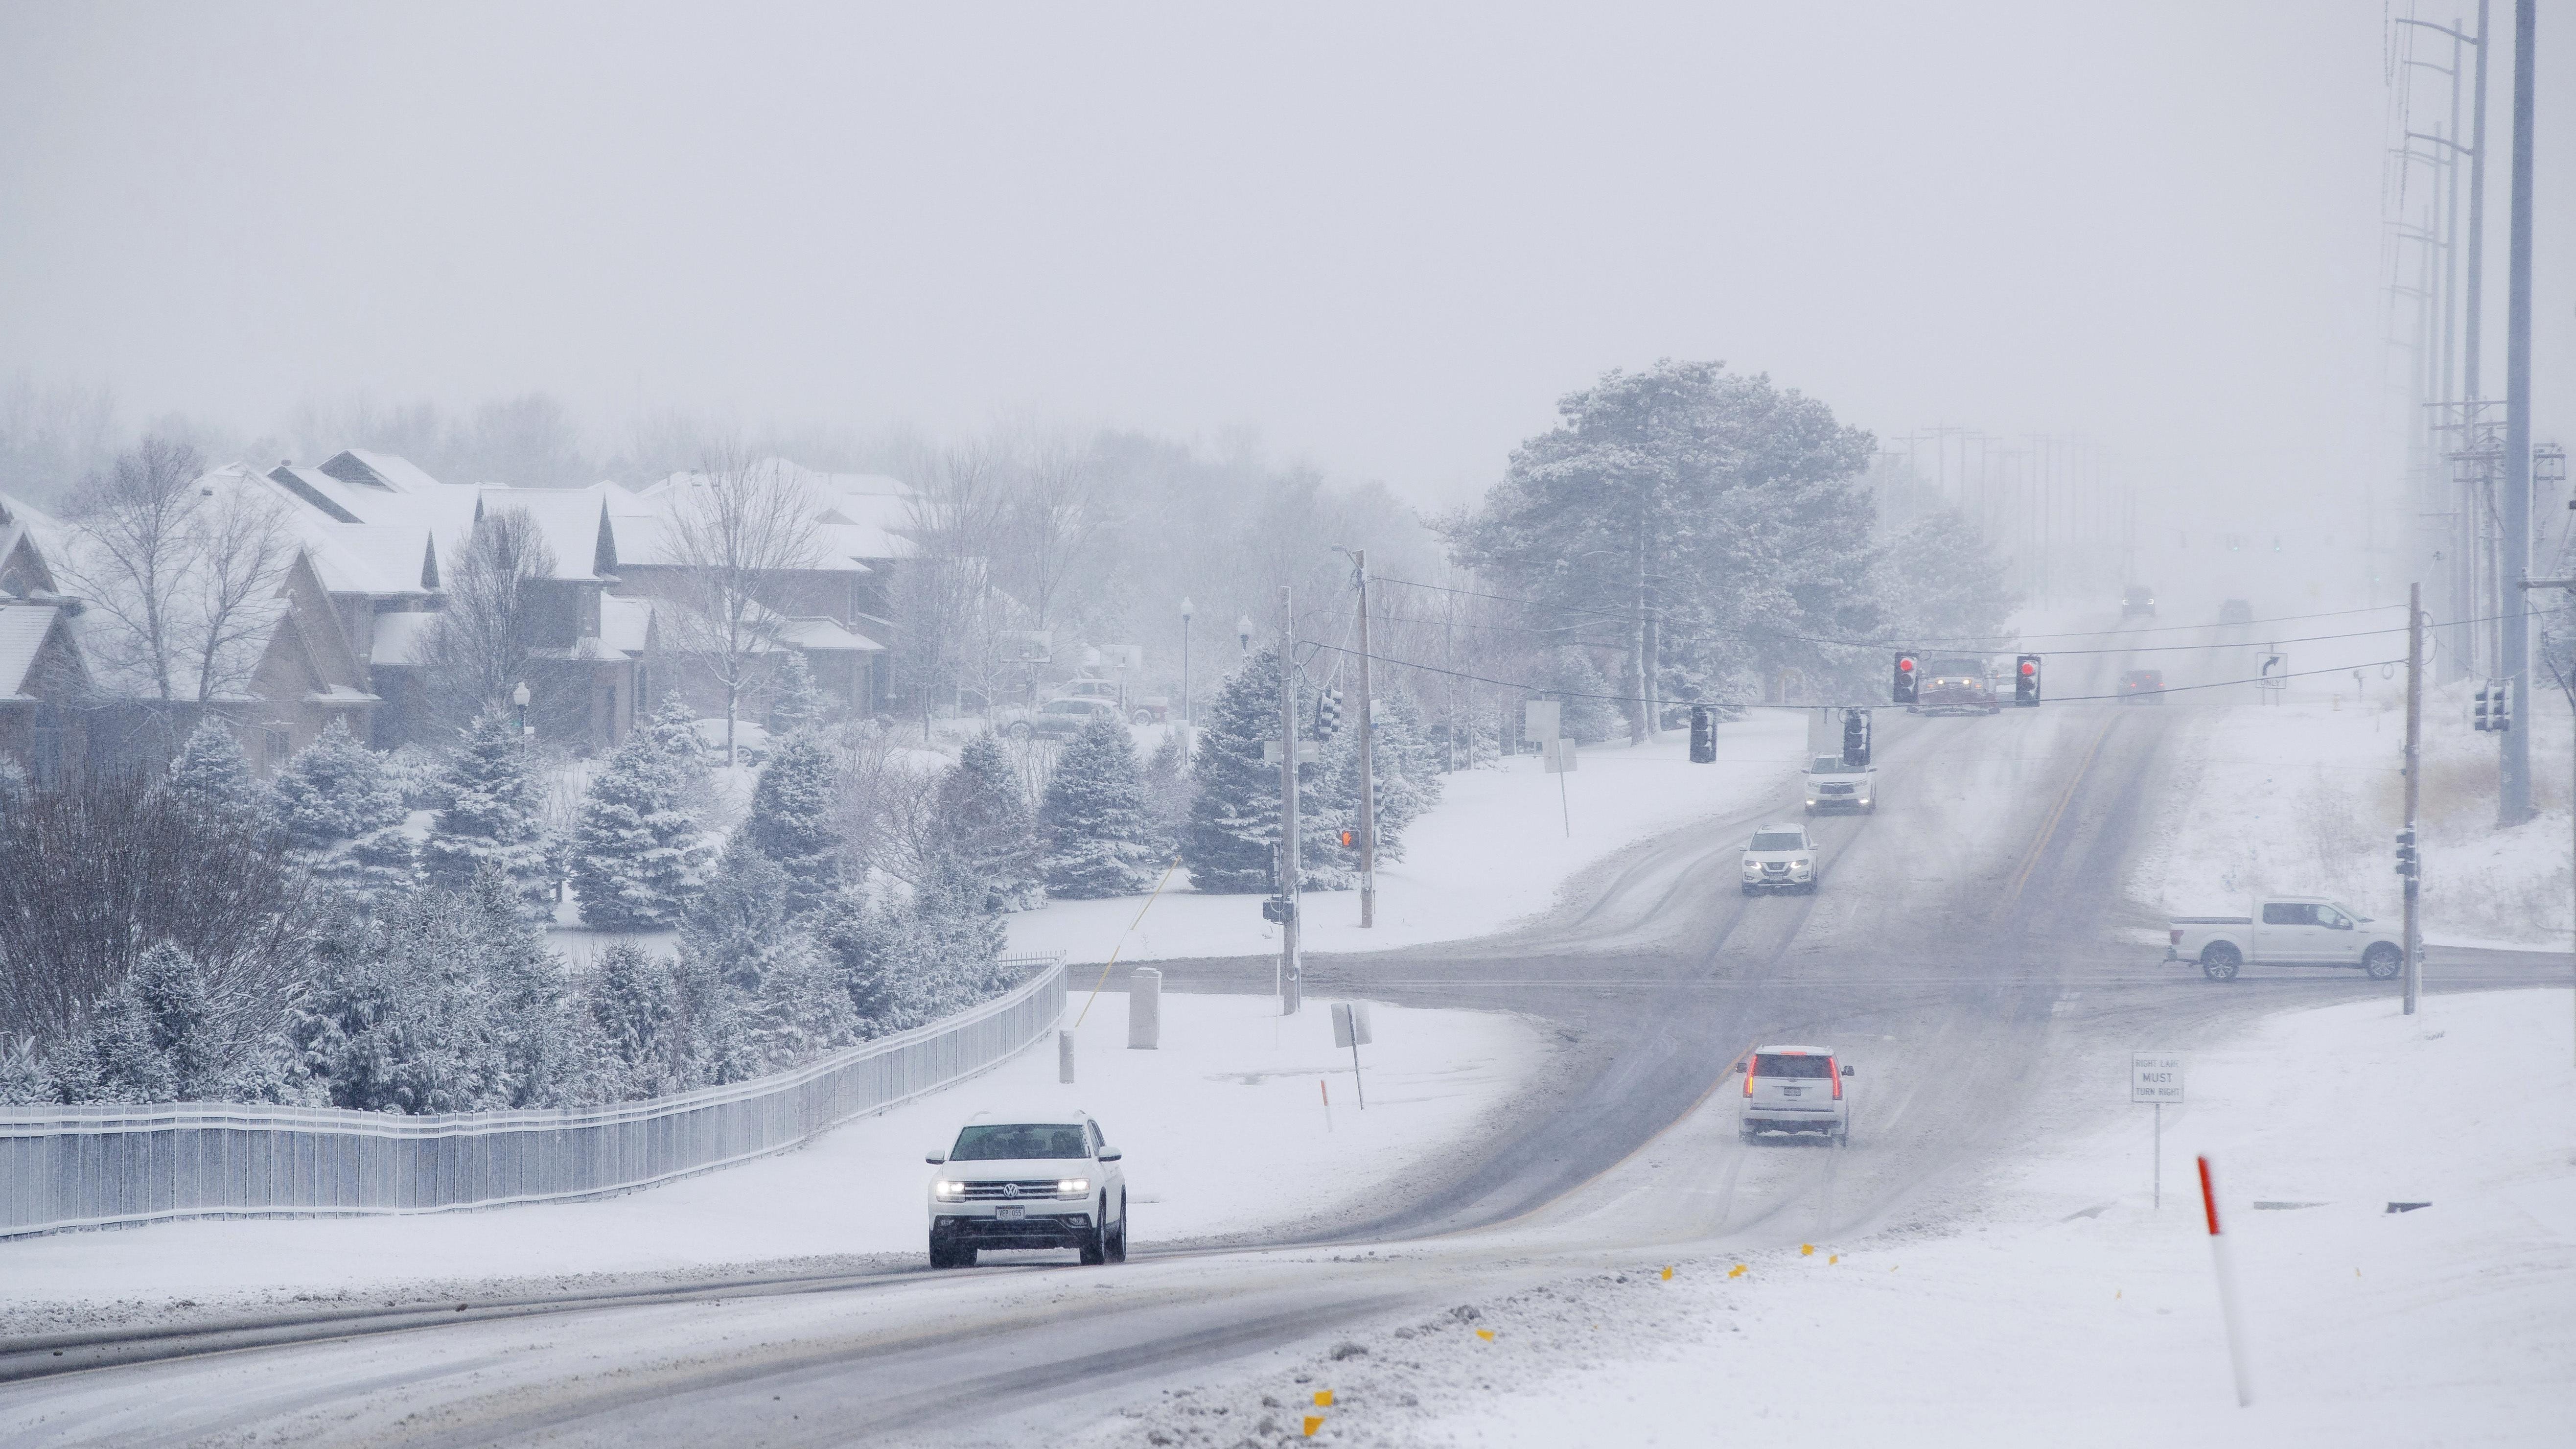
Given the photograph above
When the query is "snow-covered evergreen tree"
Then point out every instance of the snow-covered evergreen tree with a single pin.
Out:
(798, 703)
(740, 919)
(209, 773)
(674, 726)
(803, 1010)
(633, 1001)
(494, 817)
(1167, 791)
(525, 994)
(1100, 836)
(985, 828)
(639, 855)
(791, 819)
(152, 1040)
(337, 807)
(914, 956)
(1234, 812)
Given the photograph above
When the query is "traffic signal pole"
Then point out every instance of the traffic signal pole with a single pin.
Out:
(2414, 762)
(2513, 795)
(1288, 861)
(1368, 783)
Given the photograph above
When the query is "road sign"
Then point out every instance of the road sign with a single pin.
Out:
(1351, 1025)
(1307, 752)
(2276, 672)
(1539, 720)
(2155, 1077)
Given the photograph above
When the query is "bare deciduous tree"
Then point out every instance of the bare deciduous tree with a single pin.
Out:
(234, 595)
(736, 528)
(477, 652)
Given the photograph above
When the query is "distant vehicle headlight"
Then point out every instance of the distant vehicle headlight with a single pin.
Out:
(1073, 1187)
(949, 1191)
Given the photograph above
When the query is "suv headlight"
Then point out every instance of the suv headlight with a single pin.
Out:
(948, 1191)
(1074, 1187)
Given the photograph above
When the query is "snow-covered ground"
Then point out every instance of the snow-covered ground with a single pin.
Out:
(2065, 1308)
(2305, 798)
(1233, 1091)
(1496, 850)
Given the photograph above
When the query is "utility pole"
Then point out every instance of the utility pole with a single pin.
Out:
(1288, 862)
(2414, 771)
(2513, 795)
(1368, 782)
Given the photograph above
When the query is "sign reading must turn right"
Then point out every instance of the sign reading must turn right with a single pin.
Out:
(2155, 1077)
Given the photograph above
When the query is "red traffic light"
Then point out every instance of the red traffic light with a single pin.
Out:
(2030, 666)
(1905, 662)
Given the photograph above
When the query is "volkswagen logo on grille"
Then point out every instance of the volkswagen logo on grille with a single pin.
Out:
(1010, 1189)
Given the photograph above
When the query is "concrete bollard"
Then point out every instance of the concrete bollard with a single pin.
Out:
(1144, 1010)
(1064, 1056)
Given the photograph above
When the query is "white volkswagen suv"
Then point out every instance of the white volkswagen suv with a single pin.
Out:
(1040, 1180)
(1795, 1089)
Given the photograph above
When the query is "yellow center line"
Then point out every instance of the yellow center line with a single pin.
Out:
(2030, 863)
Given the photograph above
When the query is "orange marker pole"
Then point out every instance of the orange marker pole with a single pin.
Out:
(2226, 1291)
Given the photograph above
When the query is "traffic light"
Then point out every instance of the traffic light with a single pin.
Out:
(1905, 679)
(1703, 735)
(2026, 680)
(1856, 738)
(1328, 713)
(2484, 720)
(2502, 718)
(2408, 865)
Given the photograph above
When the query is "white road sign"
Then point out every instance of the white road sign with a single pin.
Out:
(2276, 672)
(1540, 720)
(1351, 1024)
(2155, 1077)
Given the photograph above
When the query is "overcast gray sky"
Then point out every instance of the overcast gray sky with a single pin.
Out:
(1386, 237)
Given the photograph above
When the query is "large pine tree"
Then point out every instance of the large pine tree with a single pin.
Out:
(1233, 831)
(639, 856)
(797, 702)
(1101, 839)
(337, 807)
(791, 819)
(492, 817)
(984, 827)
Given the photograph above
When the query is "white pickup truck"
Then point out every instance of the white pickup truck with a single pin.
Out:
(1833, 785)
(2286, 931)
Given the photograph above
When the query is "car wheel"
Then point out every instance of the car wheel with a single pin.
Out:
(1022, 732)
(2220, 961)
(1096, 1251)
(1144, 716)
(2383, 961)
(1118, 1241)
(1745, 1135)
(1752, 890)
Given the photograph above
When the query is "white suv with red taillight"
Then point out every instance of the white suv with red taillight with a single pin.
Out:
(1036, 1180)
(1795, 1089)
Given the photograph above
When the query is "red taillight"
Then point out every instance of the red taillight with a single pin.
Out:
(1837, 1072)
(1748, 1079)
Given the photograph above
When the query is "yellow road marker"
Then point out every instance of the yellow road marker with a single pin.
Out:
(1313, 1423)
(1668, 1275)
(1836, 1258)
(1323, 1398)
(1806, 1250)
(1736, 1272)
(1486, 1334)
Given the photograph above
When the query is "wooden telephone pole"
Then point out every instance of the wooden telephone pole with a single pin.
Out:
(1368, 781)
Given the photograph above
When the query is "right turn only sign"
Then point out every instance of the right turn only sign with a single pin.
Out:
(2155, 1077)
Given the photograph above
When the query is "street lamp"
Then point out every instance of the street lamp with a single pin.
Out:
(520, 697)
(1243, 631)
(1186, 611)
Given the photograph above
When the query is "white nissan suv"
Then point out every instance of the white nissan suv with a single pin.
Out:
(1037, 1180)
(1780, 858)
(1795, 1089)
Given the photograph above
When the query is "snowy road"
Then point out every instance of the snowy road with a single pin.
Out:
(1975, 925)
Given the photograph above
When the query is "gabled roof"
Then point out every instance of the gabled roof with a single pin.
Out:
(858, 516)
(573, 522)
(825, 636)
(625, 624)
(24, 535)
(381, 471)
(24, 628)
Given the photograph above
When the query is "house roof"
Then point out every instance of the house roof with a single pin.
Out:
(625, 624)
(29, 532)
(569, 519)
(23, 630)
(825, 636)
(400, 639)
(860, 516)
(384, 472)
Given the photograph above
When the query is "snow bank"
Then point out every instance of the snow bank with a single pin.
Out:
(2305, 798)
(1495, 851)
(1224, 1130)
(2069, 1310)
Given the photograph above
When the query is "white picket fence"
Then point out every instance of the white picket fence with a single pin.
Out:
(107, 1166)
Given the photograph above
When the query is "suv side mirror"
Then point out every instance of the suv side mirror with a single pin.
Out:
(1847, 1071)
(935, 1158)
(1110, 1154)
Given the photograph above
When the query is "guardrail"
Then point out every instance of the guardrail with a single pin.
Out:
(110, 1166)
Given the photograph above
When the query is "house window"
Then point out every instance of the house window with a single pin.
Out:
(277, 743)
(49, 756)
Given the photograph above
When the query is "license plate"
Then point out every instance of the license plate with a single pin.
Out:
(1010, 1214)
(1784, 1091)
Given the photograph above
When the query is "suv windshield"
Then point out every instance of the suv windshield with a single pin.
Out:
(997, 1144)
(1801, 1066)
(1830, 765)
(1777, 840)
(1952, 668)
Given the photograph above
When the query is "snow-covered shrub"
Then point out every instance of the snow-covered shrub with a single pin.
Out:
(338, 809)
(639, 856)
(983, 827)
(791, 819)
(209, 773)
(493, 817)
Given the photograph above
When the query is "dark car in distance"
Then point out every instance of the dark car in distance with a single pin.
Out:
(2138, 600)
(1956, 684)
